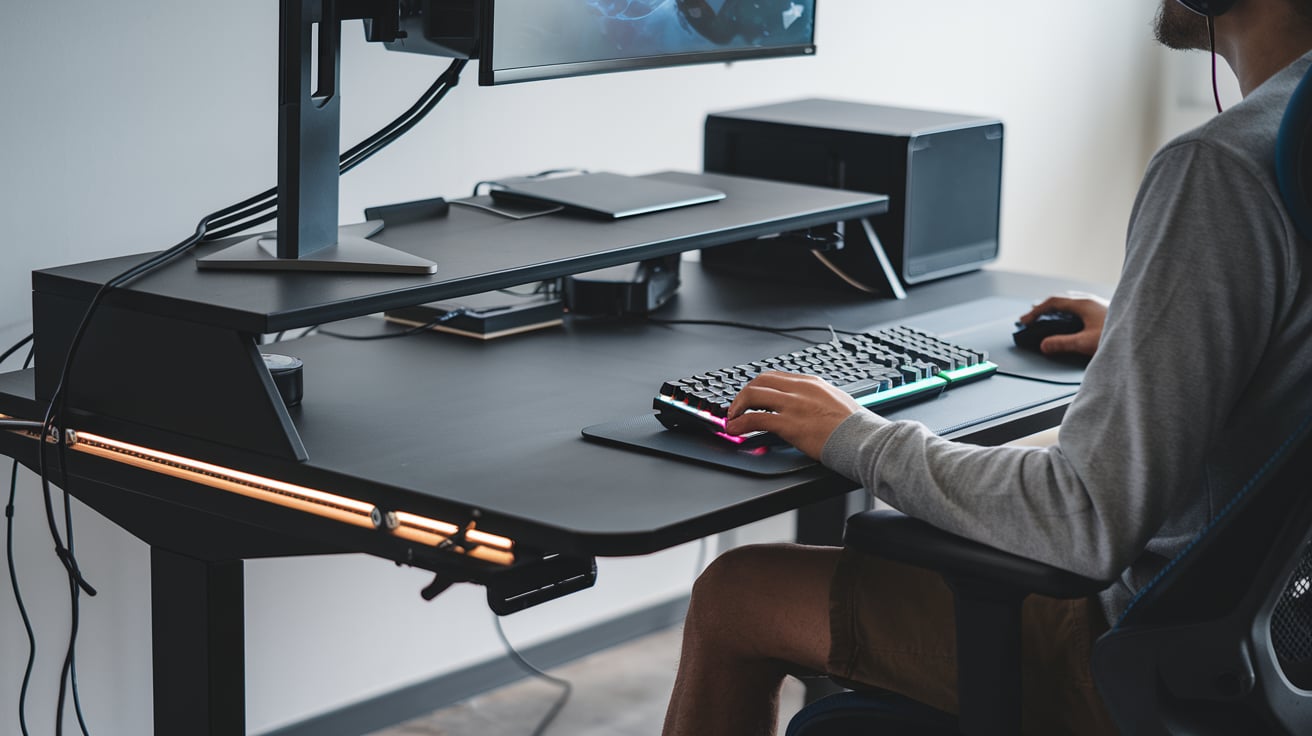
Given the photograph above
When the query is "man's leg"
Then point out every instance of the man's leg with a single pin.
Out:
(757, 613)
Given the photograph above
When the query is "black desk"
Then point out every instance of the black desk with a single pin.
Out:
(454, 430)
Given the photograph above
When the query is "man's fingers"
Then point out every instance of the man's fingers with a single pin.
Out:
(771, 391)
(1051, 304)
(758, 396)
(756, 421)
(1085, 306)
(1074, 343)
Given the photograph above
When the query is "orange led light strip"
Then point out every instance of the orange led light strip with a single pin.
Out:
(339, 508)
(484, 546)
(481, 545)
(475, 543)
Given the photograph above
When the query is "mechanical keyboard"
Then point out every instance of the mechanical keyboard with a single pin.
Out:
(881, 370)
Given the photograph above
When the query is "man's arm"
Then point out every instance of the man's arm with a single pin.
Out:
(1186, 327)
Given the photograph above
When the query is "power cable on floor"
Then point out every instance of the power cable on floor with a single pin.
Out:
(565, 686)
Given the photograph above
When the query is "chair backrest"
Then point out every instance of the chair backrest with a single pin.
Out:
(1221, 641)
(1294, 157)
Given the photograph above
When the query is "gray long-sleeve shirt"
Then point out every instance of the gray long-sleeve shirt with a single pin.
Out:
(1204, 368)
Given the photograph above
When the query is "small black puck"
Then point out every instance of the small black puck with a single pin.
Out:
(286, 372)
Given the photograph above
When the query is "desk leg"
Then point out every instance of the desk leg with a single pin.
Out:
(197, 617)
(822, 523)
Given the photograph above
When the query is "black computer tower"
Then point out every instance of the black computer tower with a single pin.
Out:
(941, 171)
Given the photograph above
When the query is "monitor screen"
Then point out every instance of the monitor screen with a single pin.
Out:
(542, 39)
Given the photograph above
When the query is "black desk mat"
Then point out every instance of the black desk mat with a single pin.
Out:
(1029, 380)
(645, 432)
(954, 411)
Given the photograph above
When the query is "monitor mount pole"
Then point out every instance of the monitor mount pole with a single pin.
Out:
(309, 134)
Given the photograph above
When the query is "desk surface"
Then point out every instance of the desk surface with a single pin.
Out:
(442, 425)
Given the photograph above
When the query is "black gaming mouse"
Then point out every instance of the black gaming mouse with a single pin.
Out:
(1049, 323)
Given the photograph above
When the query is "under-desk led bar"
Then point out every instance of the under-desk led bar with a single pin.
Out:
(470, 541)
(484, 546)
(340, 508)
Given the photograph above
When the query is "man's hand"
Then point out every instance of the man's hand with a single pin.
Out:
(801, 410)
(1092, 310)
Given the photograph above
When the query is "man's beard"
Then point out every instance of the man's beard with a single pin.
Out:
(1178, 27)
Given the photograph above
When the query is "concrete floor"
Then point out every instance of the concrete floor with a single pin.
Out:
(619, 692)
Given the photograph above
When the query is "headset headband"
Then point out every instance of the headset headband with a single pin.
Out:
(1208, 7)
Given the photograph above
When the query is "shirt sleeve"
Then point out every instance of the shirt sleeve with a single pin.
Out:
(1185, 331)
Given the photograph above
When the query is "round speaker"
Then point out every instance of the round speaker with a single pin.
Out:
(287, 376)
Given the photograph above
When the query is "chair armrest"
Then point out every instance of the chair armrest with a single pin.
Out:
(896, 536)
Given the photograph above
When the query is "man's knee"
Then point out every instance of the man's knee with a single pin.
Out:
(730, 576)
(745, 579)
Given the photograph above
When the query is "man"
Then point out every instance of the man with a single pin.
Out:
(1199, 373)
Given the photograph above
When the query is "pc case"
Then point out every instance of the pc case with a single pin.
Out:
(941, 171)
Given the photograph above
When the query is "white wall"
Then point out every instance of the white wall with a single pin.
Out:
(121, 123)
(1186, 98)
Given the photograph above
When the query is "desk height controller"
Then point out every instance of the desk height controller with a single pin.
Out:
(525, 585)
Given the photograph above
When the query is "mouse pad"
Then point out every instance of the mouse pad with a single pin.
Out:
(982, 324)
(645, 432)
(987, 324)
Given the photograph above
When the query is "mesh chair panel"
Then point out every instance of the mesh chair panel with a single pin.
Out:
(1291, 624)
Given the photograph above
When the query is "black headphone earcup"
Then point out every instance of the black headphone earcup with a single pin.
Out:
(1208, 7)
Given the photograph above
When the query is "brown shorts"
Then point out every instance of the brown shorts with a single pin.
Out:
(892, 627)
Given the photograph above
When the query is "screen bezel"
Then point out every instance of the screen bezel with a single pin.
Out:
(489, 75)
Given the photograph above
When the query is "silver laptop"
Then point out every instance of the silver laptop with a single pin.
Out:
(606, 195)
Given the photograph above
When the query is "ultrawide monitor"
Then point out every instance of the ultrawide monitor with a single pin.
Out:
(522, 40)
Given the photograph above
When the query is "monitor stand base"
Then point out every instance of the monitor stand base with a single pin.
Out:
(352, 253)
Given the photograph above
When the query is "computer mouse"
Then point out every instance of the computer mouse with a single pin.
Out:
(1043, 326)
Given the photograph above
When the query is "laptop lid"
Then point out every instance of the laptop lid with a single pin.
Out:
(605, 194)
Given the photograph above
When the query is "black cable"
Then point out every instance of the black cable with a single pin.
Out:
(243, 227)
(56, 406)
(444, 317)
(548, 287)
(1040, 380)
(262, 207)
(364, 150)
(283, 335)
(521, 294)
(540, 175)
(566, 687)
(53, 424)
(1211, 45)
(18, 598)
(784, 331)
(69, 669)
(360, 152)
(15, 348)
(13, 581)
